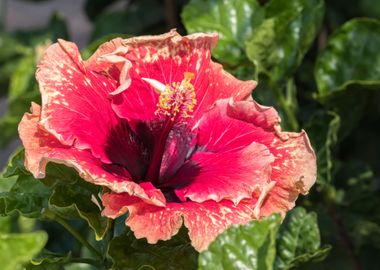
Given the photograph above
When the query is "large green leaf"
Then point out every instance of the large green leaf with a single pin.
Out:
(281, 41)
(76, 200)
(234, 20)
(347, 71)
(251, 246)
(28, 197)
(62, 190)
(352, 56)
(131, 253)
(17, 249)
(298, 241)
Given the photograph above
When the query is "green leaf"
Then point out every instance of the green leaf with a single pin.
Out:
(17, 249)
(77, 200)
(251, 246)
(234, 20)
(347, 71)
(62, 190)
(351, 57)
(131, 253)
(28, 197)
(281, 41)
(323, 132)
(298, 241)
(15, 165)
(47, 258)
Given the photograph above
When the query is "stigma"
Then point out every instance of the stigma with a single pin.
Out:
(177, 100)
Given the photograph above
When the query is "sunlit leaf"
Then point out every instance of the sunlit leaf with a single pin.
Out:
(233, 20)
(281, 41)
(252, 246)
(298, 241)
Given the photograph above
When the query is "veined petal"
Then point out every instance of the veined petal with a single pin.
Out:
(218, 132)
(233, 175)
(75, 106)
(164, 58)
(294, 171)
(216, 84)
(204, 220)
(227, 163)
(294, 168)
(41, 147)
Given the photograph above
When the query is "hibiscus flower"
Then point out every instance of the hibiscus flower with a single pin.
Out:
(174, 137)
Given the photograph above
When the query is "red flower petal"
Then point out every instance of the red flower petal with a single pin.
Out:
(294, 171)
(75, 107)
(294, 168)
(41, 148)
(218, 132)
(165, 58)
(204, 220)
(217, 84)
(233, 175)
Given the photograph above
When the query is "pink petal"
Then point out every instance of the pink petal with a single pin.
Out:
(227, 164)
(294, 171)
(294, 168)
(41, 147)
(232, 175)
(204, 220)
(252, 112)
(217, 84)
(164, 58)
(217, 131)
(75, 107)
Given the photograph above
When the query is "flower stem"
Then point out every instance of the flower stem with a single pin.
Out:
(53, 216)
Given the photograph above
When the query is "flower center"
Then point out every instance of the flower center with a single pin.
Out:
(178, 100)
(175, 106)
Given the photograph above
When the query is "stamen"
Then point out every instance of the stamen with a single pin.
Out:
(175, 105)
(176, 101)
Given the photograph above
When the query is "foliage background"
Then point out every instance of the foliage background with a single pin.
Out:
(317, 62)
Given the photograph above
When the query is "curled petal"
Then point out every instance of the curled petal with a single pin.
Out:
(216, 84)
(204, 220)
(294, 167)
(294, 171)
(75, 106)
(41, 147)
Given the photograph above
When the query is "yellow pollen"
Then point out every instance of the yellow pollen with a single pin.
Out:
(178, 100)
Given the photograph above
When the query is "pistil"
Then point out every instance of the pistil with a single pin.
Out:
(176, 104)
